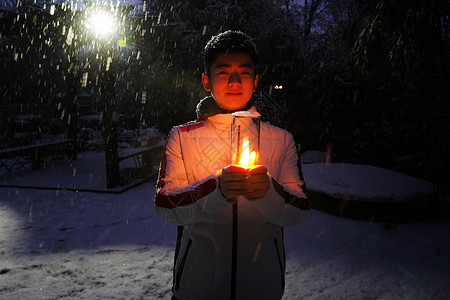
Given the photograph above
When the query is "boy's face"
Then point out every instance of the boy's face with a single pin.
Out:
(232, 80)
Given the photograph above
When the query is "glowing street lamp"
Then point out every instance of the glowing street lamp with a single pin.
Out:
(97, 23)
(102, 23)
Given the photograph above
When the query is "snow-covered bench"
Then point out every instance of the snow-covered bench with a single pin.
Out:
(17, 158)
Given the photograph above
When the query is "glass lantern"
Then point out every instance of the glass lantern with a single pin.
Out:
(245, 139)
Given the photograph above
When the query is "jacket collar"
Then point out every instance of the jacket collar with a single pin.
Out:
(223, 121)
(207, 107)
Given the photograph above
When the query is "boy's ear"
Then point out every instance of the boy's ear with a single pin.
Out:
(255, 83)
(205, 82)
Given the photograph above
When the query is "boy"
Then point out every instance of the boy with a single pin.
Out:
(232, 243)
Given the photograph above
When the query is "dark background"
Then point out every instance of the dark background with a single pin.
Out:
(366, 79)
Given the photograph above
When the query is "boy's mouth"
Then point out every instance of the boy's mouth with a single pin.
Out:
(234, 93)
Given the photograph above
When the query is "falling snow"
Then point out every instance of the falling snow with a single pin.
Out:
(59, 242)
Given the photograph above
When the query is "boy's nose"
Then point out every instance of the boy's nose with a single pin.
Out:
(234, 79)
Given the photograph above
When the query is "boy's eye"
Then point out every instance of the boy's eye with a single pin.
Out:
(222, 73)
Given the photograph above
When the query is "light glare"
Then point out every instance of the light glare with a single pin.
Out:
(101, 23)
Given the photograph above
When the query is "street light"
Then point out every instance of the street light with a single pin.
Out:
(103, 24)
(98, 24)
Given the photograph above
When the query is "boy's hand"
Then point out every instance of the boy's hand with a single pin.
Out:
(234, 181)
(259, 183)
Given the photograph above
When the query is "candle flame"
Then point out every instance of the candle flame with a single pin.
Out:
(248, 159)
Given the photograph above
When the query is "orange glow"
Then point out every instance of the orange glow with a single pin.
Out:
(247, 159)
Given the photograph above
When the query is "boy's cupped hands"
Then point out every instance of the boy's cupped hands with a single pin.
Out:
(252, 183)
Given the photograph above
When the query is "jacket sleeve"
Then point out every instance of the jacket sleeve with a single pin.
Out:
(286, 202)
(176, 201)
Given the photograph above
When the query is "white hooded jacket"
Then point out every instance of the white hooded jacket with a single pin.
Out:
(228, 250)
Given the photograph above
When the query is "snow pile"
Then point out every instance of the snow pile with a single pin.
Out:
(363, 182)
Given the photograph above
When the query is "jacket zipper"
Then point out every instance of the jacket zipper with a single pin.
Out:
(280, 264)
(234, 250)
(183, 261)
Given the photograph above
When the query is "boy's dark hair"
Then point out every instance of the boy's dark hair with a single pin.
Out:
(228, 41)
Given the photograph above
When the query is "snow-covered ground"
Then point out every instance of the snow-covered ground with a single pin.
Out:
(61, 244)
